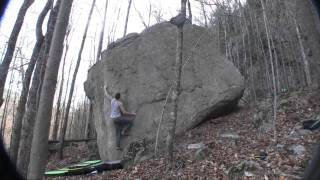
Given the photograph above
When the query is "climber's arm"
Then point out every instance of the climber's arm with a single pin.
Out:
(123, 110)
(106, 92)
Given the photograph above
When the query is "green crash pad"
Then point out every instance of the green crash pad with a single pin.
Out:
(55, 172)
(85, 168)
(84, 164)
(74, 167)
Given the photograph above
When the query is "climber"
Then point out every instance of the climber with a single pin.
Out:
(122, 119)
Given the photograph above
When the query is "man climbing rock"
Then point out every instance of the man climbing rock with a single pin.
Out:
(122, 119)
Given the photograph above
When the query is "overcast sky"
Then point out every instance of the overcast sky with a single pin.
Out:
(79, 16)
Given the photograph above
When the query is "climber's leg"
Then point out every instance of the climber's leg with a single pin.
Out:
(118, 127)
(127, 122)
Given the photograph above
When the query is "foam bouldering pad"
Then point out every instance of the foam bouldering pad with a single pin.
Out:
(85, 168)
(311, 124)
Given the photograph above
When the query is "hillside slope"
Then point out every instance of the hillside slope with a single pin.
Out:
(230, 144)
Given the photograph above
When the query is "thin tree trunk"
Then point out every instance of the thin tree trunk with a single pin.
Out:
(3, 52)
(190, 12)
(272, 71)
(16, 130)
(102, 31)
(204, 15)
(303, 54)
(39, 149)
(277, 73)
(64, 101)
(141, 17)
(57, 115)
(150, 12)
(5, 112)
(73, 83)
(84, 118)
(176, 91)
(6, 105)
(127, 18)
(13, 110)
(4, 67)
(21, 68)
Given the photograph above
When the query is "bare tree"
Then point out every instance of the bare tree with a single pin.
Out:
(65, 99)
(16, 130)
(102, 31)
(204, 13)
(6, 104)
(32, 105)
(127, 18)
(58, 108)
(65, 122)
(303, 54)
(190, 12)
(157, 14)
(272, 70)
(177, 89)
(39, 147)
(11, 46)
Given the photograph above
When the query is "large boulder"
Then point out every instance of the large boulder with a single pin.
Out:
(141, 68)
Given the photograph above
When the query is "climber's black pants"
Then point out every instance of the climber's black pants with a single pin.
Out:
(122, 124)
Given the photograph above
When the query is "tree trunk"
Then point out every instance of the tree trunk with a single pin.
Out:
(32, 106)
(272, 71)
(176, 91)
(204, 15)
(84, 118)
(102, 31)
(6, 106)
(39, 147)
(307, 17)
(303, 54)
(4, 67)
(127, 18)
(57, 115)
(16, 130)
(190, 12)
(65, 122)
(28, 120)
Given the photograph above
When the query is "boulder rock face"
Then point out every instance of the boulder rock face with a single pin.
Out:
(141, 68)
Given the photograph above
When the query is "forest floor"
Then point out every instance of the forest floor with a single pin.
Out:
(231, 145)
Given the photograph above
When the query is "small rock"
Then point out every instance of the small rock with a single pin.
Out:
(196, 146)
(248, 174)
(297, 134)
(232, 135)
(297, 149)
(257, 120)
(280, 146)
(240, 168)
(304, 132)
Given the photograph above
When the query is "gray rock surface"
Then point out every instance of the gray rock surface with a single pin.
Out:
(142, 70)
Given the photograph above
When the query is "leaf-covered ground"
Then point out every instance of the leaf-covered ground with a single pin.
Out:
(249, 134)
